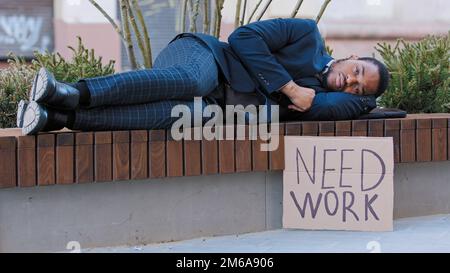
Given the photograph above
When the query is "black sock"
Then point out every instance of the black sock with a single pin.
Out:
(58, 119)
(70, 119)
(85, 94)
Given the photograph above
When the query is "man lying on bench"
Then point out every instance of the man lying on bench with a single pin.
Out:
(273, 62)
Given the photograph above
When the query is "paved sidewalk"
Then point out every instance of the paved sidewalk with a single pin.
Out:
(420, 234)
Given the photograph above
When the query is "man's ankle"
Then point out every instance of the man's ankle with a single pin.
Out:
(58, 119)
(85, 94)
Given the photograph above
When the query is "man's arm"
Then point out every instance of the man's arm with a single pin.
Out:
(336, 106)
(301, 98)
(255, 42)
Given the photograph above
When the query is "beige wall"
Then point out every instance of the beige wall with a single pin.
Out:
(79, 18)
(99, 36)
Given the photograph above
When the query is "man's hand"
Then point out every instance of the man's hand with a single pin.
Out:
(301, 97)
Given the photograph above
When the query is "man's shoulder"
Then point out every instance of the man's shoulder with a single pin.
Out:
(300, 22)
(296, 22)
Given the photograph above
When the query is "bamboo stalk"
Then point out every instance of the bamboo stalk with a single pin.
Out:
(254, 11)
(238, 13)
(194, 6)
(243, 13)
(218, 21)
(264, 10)
(216, 17)
(127, 33)
(212, 22)
(111, 21)
(183, 15)
(322, 10)
(137, 34)
(297, 7)
(148, 45)
(191, 12)
(206, 16)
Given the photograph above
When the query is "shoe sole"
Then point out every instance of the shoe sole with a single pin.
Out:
(34, 119)
(21, 112)
(40, 89)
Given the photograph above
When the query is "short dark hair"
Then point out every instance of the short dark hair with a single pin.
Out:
(382, 71)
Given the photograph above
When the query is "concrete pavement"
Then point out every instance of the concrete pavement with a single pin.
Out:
(419, 234)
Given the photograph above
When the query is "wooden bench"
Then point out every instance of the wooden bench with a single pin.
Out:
(68, 157)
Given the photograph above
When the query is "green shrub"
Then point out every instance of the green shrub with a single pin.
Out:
(84, 64)
(419, 75)
(16, 79)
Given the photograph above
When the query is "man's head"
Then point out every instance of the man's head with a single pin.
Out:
(359, 76)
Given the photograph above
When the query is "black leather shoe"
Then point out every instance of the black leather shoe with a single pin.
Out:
(383, 113)
(33, 118)
(48, 91)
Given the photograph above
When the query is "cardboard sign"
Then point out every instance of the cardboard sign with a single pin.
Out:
(338, 183)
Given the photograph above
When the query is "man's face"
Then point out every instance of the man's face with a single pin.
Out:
(353, 76)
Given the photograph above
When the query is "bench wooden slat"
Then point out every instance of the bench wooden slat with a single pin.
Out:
(84, 157)
(310, 128)
(408, 140)
(26, 161)
(103, 157)
(65, 158)
(439, 139)
(343, 128)
(437, 123)
(359, 127)
(423, 123)
(376, 128)
(46, 159)
(260, 159)
(8, 162)
(192, 153)
(174, 153)
(326, 128)
(423, 140)
(210, 160)
(392, 129)
(243, 146)
(293, 129)
(139, 154)
(226, 153)
(276, 157)
(121, 155)
(210, 154)
(157, 153)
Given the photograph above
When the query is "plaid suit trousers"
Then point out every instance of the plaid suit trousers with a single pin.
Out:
(143, 99)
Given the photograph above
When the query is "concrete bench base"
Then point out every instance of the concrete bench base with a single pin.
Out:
(170, 209)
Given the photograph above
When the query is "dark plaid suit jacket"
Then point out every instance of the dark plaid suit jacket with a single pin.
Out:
(263, 56)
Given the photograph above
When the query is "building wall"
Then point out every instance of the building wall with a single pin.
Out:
(25, 26)
(356, 26)
(98, 36)
(79, 18)
(349, 26)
